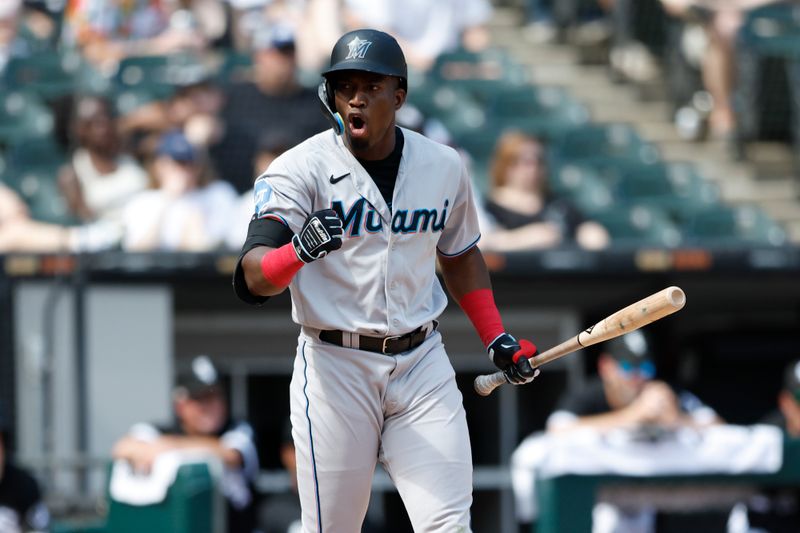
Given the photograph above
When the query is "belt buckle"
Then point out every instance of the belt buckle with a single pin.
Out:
(386, 340)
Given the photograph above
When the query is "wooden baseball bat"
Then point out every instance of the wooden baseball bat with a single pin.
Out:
(647, 310)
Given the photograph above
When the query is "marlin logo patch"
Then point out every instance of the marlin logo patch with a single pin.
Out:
(357, 48)
(262, 192)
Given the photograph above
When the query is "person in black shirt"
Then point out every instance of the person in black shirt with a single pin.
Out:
(202, 422)
(273, 101)
(625, 394)
(22, 509)
(787, 415)
(521, 213)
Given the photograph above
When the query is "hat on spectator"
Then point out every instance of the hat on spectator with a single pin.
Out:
(175, 145)
(632, 348)
(791, 379)
(274, 36)
(202, 378)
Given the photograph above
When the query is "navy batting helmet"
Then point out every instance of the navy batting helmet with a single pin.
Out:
(365, 50)
(369, 51)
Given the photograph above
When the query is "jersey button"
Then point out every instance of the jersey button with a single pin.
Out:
(395, 322)
(393, 285)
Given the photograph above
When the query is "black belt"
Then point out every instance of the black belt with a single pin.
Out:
(385, 345)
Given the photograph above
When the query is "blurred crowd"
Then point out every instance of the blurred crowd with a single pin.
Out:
(184, 104)
(141, 124)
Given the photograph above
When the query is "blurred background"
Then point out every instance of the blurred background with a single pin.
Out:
(618, 147)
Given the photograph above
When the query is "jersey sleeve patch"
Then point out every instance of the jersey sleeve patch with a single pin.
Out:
(262, 192)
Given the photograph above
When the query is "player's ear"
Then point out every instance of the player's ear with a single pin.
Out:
(399, 98)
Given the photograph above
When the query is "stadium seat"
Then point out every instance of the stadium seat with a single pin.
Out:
(33, 153)
(191, 505)
(675, 187)
(159, 75)
(235, 67)
(23, 116)
(639, 225)
(604, 141)
(583, 187)
(480, 73)
(768, 42)
(545, 111)
(38, 187)
(456, 108)
(52, 74)
(724, 225)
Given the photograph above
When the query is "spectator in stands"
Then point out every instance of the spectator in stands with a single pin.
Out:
(776, 510)
(626, 394)
(520, 211)
(270, 145)
(274, 101)
(722, 20)
(107, 31)
(424, 29)
(202, 422)
(194, 108)
(97, 182)
(21, 506)
(25, 29)
(187, 211)
(100, 177)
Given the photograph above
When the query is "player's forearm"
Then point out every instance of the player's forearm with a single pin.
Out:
(257, 283)
(464, 273)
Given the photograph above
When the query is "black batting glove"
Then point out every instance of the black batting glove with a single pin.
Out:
(512, 357)
(321, 233)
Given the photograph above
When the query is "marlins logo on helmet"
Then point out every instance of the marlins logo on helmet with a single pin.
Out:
(357, 48)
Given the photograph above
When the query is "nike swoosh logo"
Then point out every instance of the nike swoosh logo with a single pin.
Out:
(506, 346)
(340, 178)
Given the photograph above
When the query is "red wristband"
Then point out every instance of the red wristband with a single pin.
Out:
(279, 266)
(481, 310)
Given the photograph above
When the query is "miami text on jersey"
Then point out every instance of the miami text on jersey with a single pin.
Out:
(403, 220)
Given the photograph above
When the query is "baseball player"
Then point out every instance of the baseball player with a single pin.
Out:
(352, 221)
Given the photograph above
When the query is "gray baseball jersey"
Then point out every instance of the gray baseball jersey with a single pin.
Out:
(351, 408)
(383, 280)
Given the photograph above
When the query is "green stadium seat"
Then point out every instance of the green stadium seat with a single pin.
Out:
(543, 111)
(235, 67)
(38, 187)
(480, 73)
(52, 74)
(34, 153)
(604, 141)
(159, 75)
(192, 505)
(639, 225)
(767, 44)
(677, 188)
(583, 187)
(724, 225)
(23, 116)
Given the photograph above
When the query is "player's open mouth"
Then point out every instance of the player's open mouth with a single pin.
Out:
(358, 126)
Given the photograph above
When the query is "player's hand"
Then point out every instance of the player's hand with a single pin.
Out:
(512, 357)
(321, 233)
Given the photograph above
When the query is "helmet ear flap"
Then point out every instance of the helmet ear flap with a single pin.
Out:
(328, 104)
